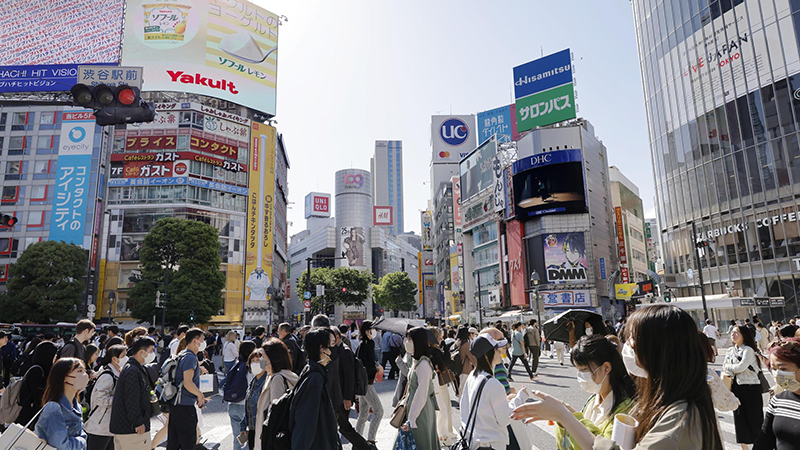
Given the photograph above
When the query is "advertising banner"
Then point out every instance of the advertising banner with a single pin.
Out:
(317, 204)
(217, 48)
(477, 210)
(260, 213)
(497, 122)
(427, 230)
(548, 183)
(761, 56)
(516, 270)
(429, 300)
(623, 253)
(126, 165)
(477, 169)
(139, 143)
(498, 184)
(458, 218)
(213, 147)
(455, 271)
(625, 290)
(542, 74)
(579, 298)
(565, 258)
(452, 138)
(37, 78)
(545, 108)
(353, 240)
(382, 216)
(70, 199)
(60, 32)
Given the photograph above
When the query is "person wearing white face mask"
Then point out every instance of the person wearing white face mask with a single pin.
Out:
(601, 373)
(673, 401)
(97, 425)
(366, 353)
(182, 426)
(781, 427)
(60, 423)
(130, 408)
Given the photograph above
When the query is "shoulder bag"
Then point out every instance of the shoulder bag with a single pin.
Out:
(464, 443)
(761, 379)
(398, 417)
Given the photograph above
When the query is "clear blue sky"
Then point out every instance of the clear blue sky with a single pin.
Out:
(354, 71)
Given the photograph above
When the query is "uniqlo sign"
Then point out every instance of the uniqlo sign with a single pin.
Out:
(318, 205)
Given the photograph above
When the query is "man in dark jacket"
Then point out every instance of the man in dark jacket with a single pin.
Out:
(130, 411)
(313, 422)
(258, 334)
(298, 359)
(341, 385)
(76, 348)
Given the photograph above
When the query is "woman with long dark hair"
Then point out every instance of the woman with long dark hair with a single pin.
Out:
(468, 361)
(30, 393)
(673, 402)
(61, 421)
(601, 373)
(743, 366)
(370, 400)
(421, 401)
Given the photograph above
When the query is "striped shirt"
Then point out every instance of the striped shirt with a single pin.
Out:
(781, 428)
(502, 376)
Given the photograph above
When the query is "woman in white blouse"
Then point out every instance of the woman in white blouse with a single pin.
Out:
(421, 401)
(487, 397)
(743, 366)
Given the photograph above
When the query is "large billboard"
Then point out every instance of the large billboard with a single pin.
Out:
(317, 204)
(452, 138)
(477, 169)
(260, 212)
(565, 258)
(60, 32)
(426, 219)
(543, 91)
(353, 240)
(516, 268)
(623, 252)
(550, 182)
(217, 48)
(71, 195)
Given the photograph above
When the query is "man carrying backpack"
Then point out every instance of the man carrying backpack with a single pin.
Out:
(182, 429)
(76, 348)
(130, 408)
(234, 391)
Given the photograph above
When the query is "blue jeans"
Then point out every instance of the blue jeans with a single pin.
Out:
(238, 422)
(228, 366)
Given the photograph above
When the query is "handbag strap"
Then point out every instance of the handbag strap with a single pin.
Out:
(473, 413)
(26, 427)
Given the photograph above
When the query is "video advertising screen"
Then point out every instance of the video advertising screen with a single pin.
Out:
(549, 183)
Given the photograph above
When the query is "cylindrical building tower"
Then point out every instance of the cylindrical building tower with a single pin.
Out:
(722, 93)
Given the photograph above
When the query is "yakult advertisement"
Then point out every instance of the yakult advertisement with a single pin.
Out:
(223, 49)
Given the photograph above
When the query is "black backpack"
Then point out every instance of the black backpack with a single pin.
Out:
(235, 389)
(361, 381)
(276, 433)
(22, 364)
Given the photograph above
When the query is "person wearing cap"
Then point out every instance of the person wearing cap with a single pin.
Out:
(420, 399)
(486, 396)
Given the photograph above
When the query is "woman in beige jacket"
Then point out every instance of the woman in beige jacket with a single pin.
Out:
(276, 361)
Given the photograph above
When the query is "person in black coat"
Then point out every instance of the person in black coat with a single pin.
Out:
(298, 359)
(370, 400)
(313, 421)
(130, 411)
(32, 389)
(341, 385)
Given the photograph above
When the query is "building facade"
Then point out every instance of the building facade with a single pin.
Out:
(719, 86)
(387, 174)
(443, 240)
(625, 196)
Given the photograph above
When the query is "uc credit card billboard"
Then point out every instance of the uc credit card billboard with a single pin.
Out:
(544, 91)
(217, 48)
(452, 138)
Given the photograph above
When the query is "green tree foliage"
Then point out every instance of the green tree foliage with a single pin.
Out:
(396, 292)
(46, 284)
(188, 252)
(355, 283)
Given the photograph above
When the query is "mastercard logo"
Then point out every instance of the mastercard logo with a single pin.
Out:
(444, 154)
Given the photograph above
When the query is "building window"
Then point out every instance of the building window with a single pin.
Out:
(13, 170)
(47, 118)
(10, 194)
(39, 193)
(35, 220)
(18, 121)
(5, 245)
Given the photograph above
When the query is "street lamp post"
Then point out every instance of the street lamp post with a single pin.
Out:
(535, 286)
(697, 245)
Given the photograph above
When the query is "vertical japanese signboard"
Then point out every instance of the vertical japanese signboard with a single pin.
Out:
(72, 180)
(260, 212)
(458, 218)
(427, 231)
(516, 270)
(623, 253)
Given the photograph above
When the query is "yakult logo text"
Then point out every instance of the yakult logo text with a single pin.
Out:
(181, 77)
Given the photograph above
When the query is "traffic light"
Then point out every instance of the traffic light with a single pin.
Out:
(191, 316)
(8, 220)
(112, 106)
(344, 290)
(701, 244)
(667, 296)
(159, 302)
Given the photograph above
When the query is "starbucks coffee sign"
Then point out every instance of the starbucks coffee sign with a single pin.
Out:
(710, 235)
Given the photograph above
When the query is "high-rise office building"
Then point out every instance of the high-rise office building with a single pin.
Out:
(720, 87)
(387, 172)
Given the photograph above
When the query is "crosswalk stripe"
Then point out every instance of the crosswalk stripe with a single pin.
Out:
(218, 434)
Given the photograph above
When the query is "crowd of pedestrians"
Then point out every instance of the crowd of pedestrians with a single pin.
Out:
(296, 388)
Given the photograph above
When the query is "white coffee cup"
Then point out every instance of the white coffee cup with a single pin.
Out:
(624, 431)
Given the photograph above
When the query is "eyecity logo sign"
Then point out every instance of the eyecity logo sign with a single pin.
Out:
(77, 134)
(453, 132)
(353, 181)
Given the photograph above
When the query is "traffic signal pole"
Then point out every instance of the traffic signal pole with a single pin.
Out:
(697, 246)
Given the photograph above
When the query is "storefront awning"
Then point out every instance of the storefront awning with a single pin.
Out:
(515, 312)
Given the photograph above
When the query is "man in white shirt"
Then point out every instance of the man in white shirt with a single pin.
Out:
(173, 344)
(713, 334)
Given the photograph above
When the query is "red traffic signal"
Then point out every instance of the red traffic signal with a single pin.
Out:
(344, 290)
(113, 105)
(127, 95)
(8, 220)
